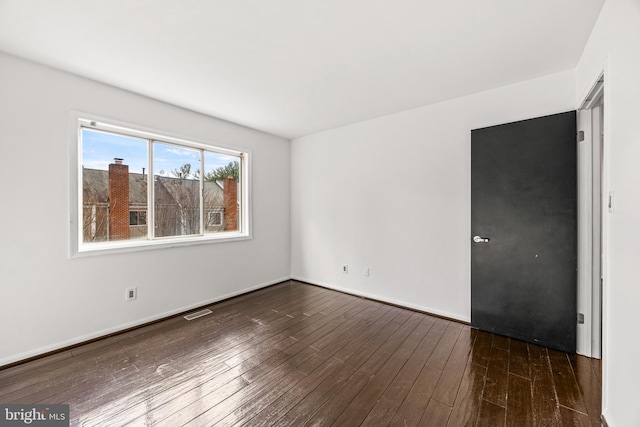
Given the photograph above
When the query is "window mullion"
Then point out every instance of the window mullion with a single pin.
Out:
(202, 169)
(151, 215)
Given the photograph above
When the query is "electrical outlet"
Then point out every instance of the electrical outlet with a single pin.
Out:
(132, 294)
(366, 272)
(345, 268)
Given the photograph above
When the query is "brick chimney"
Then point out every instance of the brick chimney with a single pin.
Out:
(118, 200)
(230, 204)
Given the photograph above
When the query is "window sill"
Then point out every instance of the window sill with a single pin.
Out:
(108, 248)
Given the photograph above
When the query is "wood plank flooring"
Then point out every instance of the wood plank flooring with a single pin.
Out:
(295, 354)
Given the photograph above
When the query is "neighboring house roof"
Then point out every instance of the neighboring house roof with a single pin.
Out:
(95, 185)
(181, 189)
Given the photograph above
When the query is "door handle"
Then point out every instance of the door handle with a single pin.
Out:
(479, 239)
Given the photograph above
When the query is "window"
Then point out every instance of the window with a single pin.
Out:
(137, 188)
(214, 218)
(137, 218)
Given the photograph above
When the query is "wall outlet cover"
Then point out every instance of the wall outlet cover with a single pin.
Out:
(132, 294)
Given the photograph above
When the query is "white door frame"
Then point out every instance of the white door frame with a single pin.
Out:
(590, 219)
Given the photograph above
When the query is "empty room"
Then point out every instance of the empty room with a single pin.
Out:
(319, 213)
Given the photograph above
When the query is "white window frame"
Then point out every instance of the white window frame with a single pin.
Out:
(78, 247)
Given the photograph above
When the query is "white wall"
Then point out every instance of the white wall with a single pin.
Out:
(614, 47)
(393, 194)
(50, 300)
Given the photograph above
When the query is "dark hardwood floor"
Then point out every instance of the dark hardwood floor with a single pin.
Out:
(295, 354)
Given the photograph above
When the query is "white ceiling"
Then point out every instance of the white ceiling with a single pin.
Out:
(296, 67)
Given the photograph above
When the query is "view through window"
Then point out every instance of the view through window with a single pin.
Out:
(144, 188)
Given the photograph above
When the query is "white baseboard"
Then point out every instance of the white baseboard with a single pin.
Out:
(122, 327)
(422, 308)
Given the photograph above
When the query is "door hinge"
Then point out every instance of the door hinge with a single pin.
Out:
(580, 136)
(580, 319)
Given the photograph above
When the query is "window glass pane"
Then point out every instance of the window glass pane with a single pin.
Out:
(114, 183)
(221, 192)
(176, 190)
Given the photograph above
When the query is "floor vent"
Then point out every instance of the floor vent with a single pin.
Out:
(198, 314)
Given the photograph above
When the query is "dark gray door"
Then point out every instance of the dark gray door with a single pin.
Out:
(523, 225)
